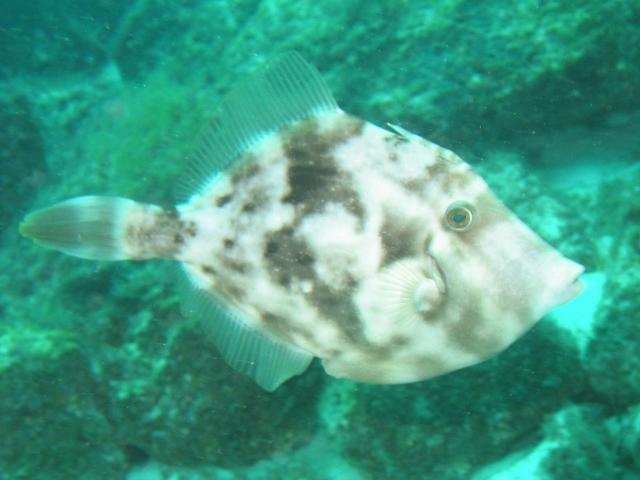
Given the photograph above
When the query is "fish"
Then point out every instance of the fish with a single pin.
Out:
(303, 231)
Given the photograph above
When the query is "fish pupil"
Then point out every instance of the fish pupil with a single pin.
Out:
(459, 217)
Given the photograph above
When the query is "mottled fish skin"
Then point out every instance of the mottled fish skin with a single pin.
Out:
(291, 235)
(315, 233)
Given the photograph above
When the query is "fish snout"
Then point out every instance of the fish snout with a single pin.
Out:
(562, 281)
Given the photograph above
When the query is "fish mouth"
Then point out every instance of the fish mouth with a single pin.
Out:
(434, 272)
(572, 285)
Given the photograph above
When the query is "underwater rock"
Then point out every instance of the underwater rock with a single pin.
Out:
(60, 110)
(447, 427)
(456, 70)
(627, 428)
(146, 387)
(612, 360)
(52, 422)
(62, 37)
(460, 71)
(186, 407)
(168, 394)
(22, 156)
(186, 36)
(583, 448)
(579, 443)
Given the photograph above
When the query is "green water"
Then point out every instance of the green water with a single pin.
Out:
(102, 378)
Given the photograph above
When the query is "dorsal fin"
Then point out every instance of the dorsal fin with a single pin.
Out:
(288, 90)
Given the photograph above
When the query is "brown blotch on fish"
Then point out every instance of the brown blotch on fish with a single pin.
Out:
(429, 363)
(334, 353)
(249, 207)
(313, 169)
(276, 323)
(399, 341)
(285, 253)
(188, 229)
(446, 156)
(469, 334)
(382, 352)
(395, 140)
(207, 270)
(459, 180)
(398, 238)
(271, 248)
(337, 307)
(245, 169)
(223, 200)
(436, 170)
(235, 265)
(229, 291)
(163, 237)
(284, 328)
(170, 212)
(311, 165)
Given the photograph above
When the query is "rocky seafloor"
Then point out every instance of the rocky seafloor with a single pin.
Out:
(101, 378)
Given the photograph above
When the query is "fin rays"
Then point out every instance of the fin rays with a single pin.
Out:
(288, 90)
(87, 227)
(401, 294)
(267, 361)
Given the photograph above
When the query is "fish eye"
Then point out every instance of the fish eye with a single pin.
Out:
(459, 216)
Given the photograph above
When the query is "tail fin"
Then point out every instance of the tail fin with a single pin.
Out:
(88, 227)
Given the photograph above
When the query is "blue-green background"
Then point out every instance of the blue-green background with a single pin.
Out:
(100, 378)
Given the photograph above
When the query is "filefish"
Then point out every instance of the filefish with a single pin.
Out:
(304, 231)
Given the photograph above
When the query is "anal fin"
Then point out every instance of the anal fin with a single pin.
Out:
(266, 360)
